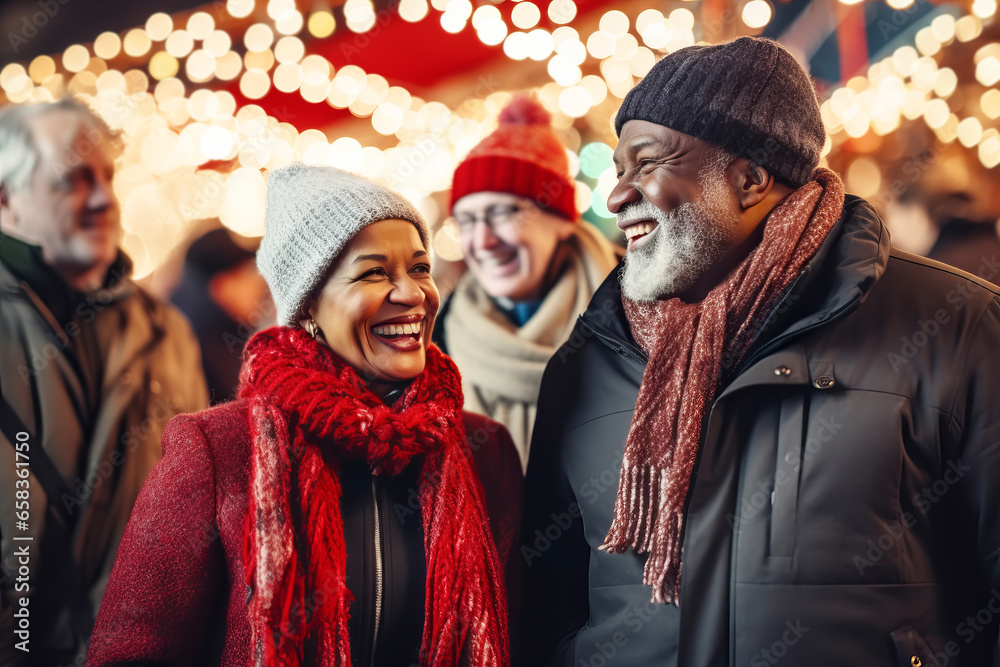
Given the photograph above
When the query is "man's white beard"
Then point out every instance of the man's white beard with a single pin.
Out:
(685, 243)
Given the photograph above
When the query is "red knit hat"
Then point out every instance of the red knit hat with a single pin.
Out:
(524, 157)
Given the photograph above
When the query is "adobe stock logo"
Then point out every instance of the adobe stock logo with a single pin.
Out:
(545, 537)
(779, 649)
(30, 25)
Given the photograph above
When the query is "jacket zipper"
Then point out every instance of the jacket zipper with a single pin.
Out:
(617, 345)
(623, 347)
(378, 567)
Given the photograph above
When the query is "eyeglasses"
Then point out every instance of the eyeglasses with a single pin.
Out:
(495, 216)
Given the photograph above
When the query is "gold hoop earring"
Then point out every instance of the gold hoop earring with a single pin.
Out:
(311, 327)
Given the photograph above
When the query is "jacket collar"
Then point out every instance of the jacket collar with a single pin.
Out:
(25, 263)
(23, 271)
(835, 281)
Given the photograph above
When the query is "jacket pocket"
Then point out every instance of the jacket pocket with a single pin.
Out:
(911, 649)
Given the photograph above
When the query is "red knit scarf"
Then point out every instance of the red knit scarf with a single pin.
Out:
(305, 402)
(686, 343)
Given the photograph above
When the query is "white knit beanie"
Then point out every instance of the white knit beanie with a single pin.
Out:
(312, 212)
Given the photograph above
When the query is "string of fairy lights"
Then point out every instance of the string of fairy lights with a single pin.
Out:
(160, 85)
(910, 86)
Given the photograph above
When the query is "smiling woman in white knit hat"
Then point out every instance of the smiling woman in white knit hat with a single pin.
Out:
(333, 515)
(533, 266)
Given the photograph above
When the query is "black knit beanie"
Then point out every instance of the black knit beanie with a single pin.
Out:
(748, 96)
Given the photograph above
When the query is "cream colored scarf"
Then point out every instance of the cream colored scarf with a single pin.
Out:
(501, 365)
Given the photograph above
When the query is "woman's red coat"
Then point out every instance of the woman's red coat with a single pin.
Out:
(177, 592)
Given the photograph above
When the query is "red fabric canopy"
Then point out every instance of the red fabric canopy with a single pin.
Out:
(417, 56)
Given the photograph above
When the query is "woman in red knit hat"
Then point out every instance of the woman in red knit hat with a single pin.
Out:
(533, 266)
(334, 514)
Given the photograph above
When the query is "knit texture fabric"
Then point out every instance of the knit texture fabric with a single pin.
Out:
(523, 157)
(312, 212)
(306, 404)
(749, 96)
(686, 343)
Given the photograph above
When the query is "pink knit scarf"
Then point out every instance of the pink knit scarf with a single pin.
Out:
(686, 343)
(309, 410)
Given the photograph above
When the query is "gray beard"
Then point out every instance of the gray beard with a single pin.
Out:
(684, 245)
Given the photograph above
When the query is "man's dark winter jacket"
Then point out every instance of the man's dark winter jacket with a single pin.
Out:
(845, 508)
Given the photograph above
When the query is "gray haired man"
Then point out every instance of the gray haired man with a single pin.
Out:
(91, 370)
(772, 437)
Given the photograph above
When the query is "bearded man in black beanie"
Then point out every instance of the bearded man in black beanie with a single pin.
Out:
(771, 434)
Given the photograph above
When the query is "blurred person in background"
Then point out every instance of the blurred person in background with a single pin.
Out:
(226, 300)
(91, 368)
(966, 239)
(344, 510)
(942, 204)
(533, 265)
